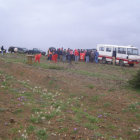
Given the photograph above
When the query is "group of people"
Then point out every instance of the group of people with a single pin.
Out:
(70, 55)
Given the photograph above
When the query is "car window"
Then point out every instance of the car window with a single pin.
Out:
(108, 49)
(101, 48)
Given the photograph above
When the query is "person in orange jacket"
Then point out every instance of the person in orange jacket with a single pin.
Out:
(37, 57)
(76, 54)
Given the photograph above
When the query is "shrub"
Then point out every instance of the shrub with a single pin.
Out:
(135, 81)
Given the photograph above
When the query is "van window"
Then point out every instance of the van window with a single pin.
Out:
(132, 51)
(108, 49)
(101, 49)
(122, 50)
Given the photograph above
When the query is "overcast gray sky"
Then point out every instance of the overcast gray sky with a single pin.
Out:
(69, 23)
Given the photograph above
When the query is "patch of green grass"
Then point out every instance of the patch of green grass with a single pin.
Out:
(28, 94)
(95, 98)
(90, 86)
(111, 127)
(77, 118)
(138, 116)
(18, 111)
(14, 130)
(9, 77)
(36, 110)
(24, 83)
(4, 83)
(107, 104)
(60, 120)
(56, 104)
(64, 107)
(133, 135)
(95, 74)
(90, 126)
(41, 134)
(111, 89)
(47, 66)
(15, 59)
(135, 81)
(62, 130)
(51, 82)
(51, 115)
(3, 109)
(35, 119)
(39, 117)
(138, 91)
(97, 134)
(92, 119)
(133, 107)
(81, 114)
(30, 129)
(71, 95)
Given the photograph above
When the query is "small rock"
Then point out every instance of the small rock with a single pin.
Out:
(72, 137)
(12, 120)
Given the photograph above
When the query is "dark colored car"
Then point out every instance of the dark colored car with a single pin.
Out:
(22, 50)
(36, 51)
(11, 49)
(19, 50)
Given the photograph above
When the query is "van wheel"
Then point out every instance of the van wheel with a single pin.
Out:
(103, 60)
(121, 63)
(131, 65)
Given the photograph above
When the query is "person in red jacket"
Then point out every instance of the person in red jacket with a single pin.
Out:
(76, 54)
(37, 57)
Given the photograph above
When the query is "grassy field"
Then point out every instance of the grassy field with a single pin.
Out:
(61, 101)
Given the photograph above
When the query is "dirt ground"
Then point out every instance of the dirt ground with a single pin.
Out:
(99, 90)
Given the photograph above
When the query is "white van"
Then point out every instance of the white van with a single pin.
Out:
(124, 54)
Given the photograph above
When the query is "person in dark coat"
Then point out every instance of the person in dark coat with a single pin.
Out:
(2, 49)
(114, 57)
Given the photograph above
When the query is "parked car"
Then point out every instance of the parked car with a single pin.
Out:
(22, 50)
(13, 49)
(43, 52)
(36, 51)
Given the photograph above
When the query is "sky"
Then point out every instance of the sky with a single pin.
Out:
(69, 23)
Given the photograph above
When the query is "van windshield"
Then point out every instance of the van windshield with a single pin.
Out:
(132, 51)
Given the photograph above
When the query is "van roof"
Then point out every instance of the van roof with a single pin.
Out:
(107, 45)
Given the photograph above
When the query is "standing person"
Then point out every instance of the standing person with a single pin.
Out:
(69, 56)
(114, 56)
(54, 56)
(50, 54)
(96, 56)
(87, 56)
(2, 49)
(64, 53)
(76, 54)
(79, 54)
(60, 54)
(92, 56)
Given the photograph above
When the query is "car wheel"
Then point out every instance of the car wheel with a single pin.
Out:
(121, 63)
(103, 60)
(131, 65)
